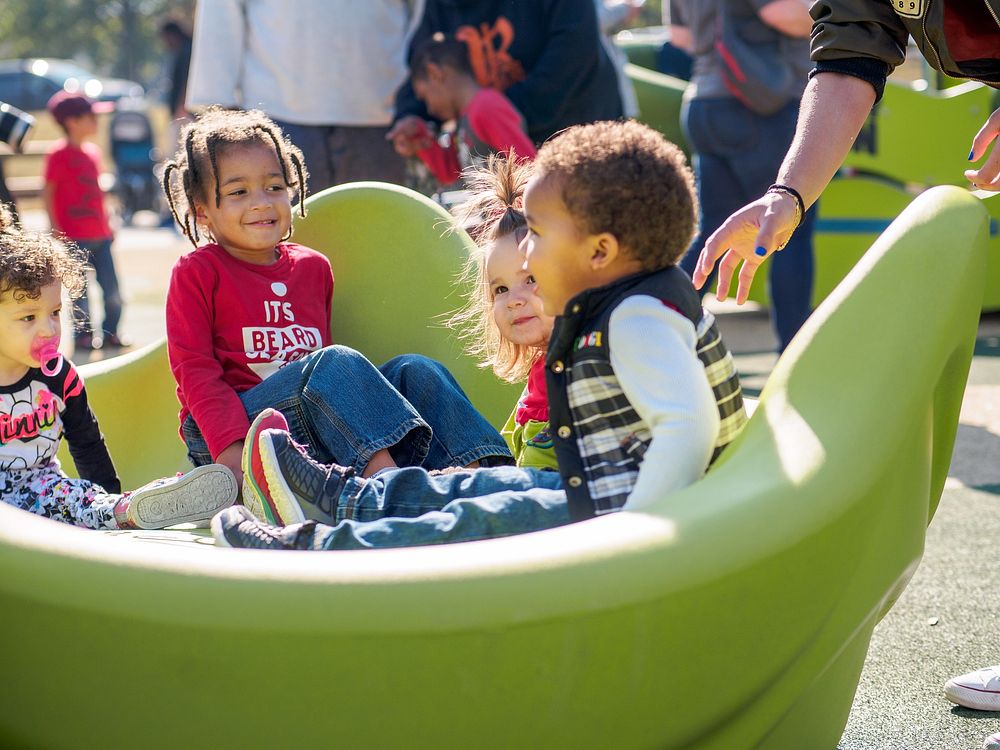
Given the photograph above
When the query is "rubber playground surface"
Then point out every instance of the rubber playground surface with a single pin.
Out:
(946, 621)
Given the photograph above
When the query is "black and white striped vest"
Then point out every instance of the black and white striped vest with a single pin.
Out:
(600, 440)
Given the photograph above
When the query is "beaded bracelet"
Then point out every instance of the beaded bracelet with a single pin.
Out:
(800, 205)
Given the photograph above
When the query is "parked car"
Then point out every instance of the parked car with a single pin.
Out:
(28, 83)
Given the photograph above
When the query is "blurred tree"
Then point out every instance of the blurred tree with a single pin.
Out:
(112, 37)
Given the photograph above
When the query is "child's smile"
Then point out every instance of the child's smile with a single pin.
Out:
(254, 211)
(517, 310)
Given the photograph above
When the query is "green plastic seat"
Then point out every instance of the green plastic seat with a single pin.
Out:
(733, 614)
(660, 98)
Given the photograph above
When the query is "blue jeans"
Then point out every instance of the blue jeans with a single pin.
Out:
(99, 256)
(336, 154)
(738, 154)
(345, 410)
(409, 507)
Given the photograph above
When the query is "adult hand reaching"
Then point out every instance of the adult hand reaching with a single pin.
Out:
(987, 177)
(749, 235)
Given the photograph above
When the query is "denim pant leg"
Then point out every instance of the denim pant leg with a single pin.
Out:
(738, 154)
(408, 507)
(100, 257)
(460, 434)
(340, 407)
(312, 141)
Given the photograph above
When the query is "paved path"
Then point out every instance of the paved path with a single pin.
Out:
(947, 620)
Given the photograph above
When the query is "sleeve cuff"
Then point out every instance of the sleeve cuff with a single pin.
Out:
(874, 72)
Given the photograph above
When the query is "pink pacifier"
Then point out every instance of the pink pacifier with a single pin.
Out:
(50, 358)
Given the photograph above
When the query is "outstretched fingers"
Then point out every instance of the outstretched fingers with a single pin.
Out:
(987, 177)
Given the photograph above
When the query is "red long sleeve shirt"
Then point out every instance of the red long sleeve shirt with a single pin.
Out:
(489, 124)
(231, 324)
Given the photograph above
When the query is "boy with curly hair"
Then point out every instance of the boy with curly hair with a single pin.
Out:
(643, 394)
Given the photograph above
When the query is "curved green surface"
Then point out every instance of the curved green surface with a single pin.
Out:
(735, 613)
(396, 256)
(660, 98)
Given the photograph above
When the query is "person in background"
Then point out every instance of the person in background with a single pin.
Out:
(177, 39)
(75, 204)
(738, 150)
(324, 70)
(856, 44)
(486, 121)
(613, 16)
(546, 56)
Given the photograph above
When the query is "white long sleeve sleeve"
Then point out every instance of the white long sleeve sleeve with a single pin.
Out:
(308, 62)
(653, 353)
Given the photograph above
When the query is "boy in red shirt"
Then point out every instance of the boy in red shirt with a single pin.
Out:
(75, 204)
(486, 120)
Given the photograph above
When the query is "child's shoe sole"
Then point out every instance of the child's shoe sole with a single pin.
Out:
(192, 498)
(256, 493)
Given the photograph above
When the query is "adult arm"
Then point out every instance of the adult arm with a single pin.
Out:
(680, 34)
(614, 18)
(217, 49)
(653, 353)
(790, 17)
(834, 107)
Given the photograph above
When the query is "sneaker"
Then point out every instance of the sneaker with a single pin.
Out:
(187, 498)
(86, 342)
(979, 690)
(116, 341)
(992, 742)
(300, 486)
(256, 495)
(238, 527)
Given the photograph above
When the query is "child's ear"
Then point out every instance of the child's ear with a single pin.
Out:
(200, 217)
(604, 250)
(435, 72)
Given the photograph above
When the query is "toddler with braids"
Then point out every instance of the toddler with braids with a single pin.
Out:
(248, 325)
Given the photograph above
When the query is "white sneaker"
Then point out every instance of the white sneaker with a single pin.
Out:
(979, 690)
(187, 498)
(992, 742)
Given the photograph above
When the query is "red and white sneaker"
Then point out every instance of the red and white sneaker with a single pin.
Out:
(979, 690)
(186, 498)
(257, 496)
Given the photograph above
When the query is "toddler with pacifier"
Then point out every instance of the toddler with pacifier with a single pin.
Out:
(43, 399)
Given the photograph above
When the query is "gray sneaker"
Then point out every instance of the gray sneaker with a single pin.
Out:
(294, 478)
(238, 527)
(186, 498)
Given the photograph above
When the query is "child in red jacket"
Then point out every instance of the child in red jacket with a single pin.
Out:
(486, 121)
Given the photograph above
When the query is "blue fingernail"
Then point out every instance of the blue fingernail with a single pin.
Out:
(761, 251)
(971, 154)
